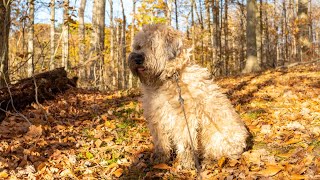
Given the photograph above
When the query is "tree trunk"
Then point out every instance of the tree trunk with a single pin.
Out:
(97, 42)
(4, 41)
(216, 38)
(65, 35)
(193, 31)
(133, 81)
(52, 31)
(203, 52)
(101, 9)
(260, 35)
(113, 64)
(30, 39)
(268, 57)
(252, 64)
(168, 12)
(242, 37)
(82, 46)
(119, 57)
(226, 43)
(176, 13)
(209, 55)
(304, 42)
(123, 47)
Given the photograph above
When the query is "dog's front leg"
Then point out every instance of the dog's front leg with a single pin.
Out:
(161, 141)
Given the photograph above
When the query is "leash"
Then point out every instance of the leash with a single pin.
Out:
(181, 101)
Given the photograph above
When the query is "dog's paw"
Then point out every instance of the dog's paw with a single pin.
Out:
(158, 158)
(185, 163)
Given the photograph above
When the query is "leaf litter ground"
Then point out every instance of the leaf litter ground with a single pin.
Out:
(91, 135)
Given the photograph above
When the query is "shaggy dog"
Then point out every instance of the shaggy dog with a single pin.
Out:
(162, 64)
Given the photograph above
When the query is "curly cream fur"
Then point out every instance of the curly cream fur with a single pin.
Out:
(216, 128)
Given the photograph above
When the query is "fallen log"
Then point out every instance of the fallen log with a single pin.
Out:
(43, 86)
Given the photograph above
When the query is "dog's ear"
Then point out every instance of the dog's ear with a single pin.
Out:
(174, 43)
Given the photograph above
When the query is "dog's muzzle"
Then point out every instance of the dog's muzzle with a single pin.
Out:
(137, 58)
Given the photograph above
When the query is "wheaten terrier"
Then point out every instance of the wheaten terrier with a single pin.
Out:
(162, 64)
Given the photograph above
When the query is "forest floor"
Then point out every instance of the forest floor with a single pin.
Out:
(91, 135)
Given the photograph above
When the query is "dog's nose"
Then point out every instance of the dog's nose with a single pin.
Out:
(137, 58)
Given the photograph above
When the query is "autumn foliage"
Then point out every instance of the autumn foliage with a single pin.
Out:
(88, 134)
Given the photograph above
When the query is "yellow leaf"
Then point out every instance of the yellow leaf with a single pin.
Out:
(297, 176)
(118, 172)
(286, 155)
(110, 125)
(271, 170)
(89, 155)
(4, 174)
(161, 166)
(112, 165)
(293, 141)
(310, 148)
(104, 117)
(98, 143)
(221, 161)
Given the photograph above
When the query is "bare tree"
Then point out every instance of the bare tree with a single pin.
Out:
(97, 41)
(304, 42)
(193, 30)
(216, 38)
(132, 81)
(4, 41)
(65, 35)
(252, 64)
(123, 47)
(112, 71)
(168, 11)
(82, 46)
(226, 42)
(30, 39)
(176, 13)
(52, 32)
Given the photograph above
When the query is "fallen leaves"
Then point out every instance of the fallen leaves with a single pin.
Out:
(4, 174)
(34, 131)
(92, 135)
(118, 172)
(271, 170)
(161, 166)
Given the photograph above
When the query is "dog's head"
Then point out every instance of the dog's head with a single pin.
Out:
(157, 53)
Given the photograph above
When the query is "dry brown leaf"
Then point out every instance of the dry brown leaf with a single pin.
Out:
(41, 166)
(271, 170)
(118, 172)
(161, 166)
(34, 131)
(60, 127)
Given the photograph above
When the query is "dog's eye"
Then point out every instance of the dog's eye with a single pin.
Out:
(137, 47)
